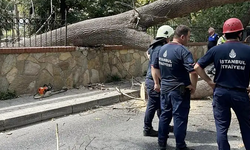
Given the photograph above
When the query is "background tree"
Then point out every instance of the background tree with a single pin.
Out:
(125, 25)
(129, 28)
(76, 10)
(215, 17)
(5, 15)
(201, 20)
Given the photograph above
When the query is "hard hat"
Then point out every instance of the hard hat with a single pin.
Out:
(232, 25)
(164, 31)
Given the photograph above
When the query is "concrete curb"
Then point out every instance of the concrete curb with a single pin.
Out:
(22, 117)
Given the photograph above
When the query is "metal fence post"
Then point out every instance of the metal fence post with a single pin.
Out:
(66, 28)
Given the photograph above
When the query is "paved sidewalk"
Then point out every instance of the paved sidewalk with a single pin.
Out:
(27, 110)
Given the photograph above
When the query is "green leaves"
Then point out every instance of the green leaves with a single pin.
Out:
(8, 95)
(214, 17)
(5, 15)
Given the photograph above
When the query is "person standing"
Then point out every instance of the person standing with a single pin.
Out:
(231, 81)
(178, 81)
(162, 37)
(212, 39)
(221, 40)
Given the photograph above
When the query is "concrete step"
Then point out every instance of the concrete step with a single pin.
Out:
(21, 114)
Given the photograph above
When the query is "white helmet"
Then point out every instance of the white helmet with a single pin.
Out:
(164, 31)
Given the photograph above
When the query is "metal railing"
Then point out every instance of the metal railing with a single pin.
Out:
(31, 31)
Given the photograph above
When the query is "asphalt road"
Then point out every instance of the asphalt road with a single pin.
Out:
(116, 127)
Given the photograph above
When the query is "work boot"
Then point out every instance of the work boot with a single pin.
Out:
(150, 132)
(162, 146)
(185, 148)
(171, 128)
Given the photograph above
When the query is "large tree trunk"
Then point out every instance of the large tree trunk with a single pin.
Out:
(128, 28)
(203, 90)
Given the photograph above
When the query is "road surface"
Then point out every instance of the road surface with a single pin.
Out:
(116, 127)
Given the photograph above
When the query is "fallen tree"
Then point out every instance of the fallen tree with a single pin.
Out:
(203, 90)
(127, 29)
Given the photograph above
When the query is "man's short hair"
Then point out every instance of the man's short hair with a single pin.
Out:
(233, 35)
(181, 30)
(211, 29)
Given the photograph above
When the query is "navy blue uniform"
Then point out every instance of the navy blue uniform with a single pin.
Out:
(232, 64)
(212, 41)
(153, 96)
(175, 64)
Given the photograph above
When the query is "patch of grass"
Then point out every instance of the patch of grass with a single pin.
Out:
(113, 78)
(8, 95)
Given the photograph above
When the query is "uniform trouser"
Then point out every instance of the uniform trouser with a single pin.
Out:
(223, 101)
(173, 103)
(152, 106)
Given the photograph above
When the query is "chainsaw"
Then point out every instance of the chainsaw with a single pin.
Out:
(47, 90)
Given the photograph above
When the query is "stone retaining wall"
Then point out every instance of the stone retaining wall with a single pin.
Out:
(25, 72)
(198, 49)
(25, 69)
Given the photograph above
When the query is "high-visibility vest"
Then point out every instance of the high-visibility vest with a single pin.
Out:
(221, 40)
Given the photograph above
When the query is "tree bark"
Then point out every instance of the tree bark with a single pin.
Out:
(127, 29)
(202, 91)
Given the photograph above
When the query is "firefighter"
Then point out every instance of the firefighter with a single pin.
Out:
(231, 81)
(221, 40)
(178, 82)
(162, 37)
